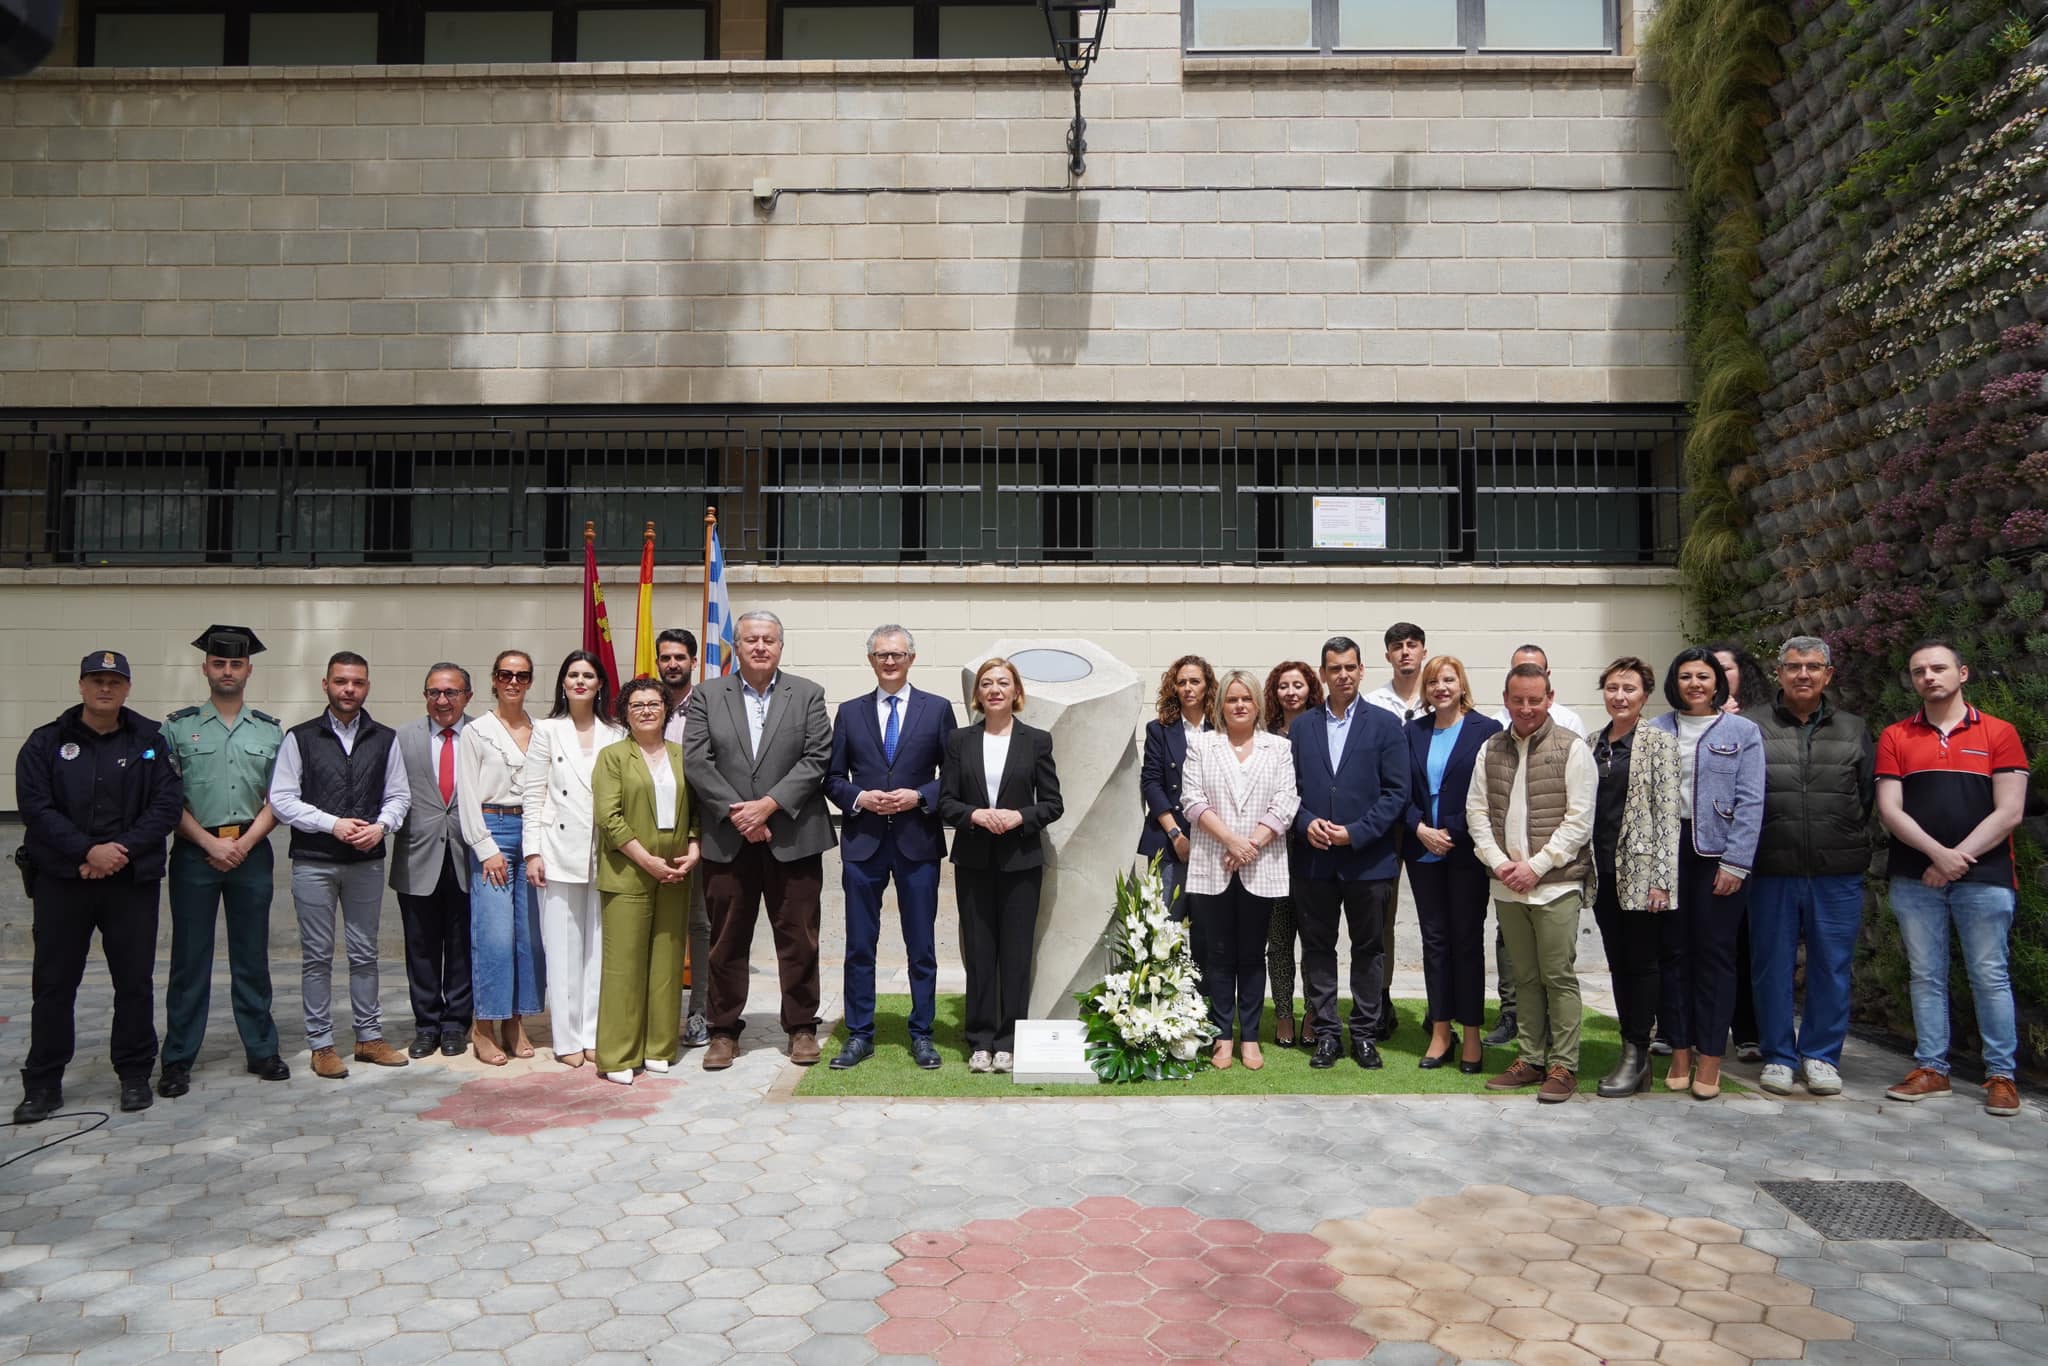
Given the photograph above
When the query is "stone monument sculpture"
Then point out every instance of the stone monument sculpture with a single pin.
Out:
(1090, 700)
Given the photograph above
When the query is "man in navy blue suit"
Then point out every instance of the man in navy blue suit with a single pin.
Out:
(884, 776)
(1351, 764)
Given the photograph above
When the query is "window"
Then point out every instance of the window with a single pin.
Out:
(367, 32)
(853, 29)
(1340, 26)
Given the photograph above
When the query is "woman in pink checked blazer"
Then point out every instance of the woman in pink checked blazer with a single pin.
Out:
(1238, 792)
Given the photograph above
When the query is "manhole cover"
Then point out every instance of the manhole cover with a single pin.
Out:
(1868, 1211)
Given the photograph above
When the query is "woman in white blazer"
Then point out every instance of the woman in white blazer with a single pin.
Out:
(1238, 792)
(506, 967)
(561, 848)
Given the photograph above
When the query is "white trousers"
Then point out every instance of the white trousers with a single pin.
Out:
(569, 930)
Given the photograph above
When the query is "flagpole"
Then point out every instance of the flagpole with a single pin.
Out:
(704, 623)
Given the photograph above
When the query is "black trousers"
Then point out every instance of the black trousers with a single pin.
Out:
(1320, 903)
(66, 912)
(998, 921)
(437, 954)
(1230, 929)
(1634, 943)
(1450, 906)
(1698, 955)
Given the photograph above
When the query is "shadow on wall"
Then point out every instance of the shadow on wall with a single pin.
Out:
(1061, 234)
(1385, 211)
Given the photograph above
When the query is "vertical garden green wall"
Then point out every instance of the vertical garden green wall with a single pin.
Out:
(1866, 259)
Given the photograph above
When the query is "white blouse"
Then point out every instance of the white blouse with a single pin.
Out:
(995, 752)
(664, 775)
(1690, 729)
(490, 770)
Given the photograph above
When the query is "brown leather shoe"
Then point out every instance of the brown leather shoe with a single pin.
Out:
(719, 1053)
(1559, 1085)
(803, 1048)
(327, 1063)
(2001, 1097)
(1523, 1073)
(1922, 1083)
(380, 1053)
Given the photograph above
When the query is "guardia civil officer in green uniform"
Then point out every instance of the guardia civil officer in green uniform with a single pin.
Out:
(224, 750)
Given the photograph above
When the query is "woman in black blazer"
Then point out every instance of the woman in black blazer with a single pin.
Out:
(998, 789)
(1449, 883)
(1186, 706)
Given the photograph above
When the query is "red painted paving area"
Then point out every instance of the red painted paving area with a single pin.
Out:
(547, 1100)
(1110, 1281)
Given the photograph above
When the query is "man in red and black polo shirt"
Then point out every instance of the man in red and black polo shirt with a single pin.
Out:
(1951, 786)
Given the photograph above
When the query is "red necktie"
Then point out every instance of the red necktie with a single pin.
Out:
(447, 764)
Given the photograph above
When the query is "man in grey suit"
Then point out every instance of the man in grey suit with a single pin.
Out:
(755, 748)
(430, 869)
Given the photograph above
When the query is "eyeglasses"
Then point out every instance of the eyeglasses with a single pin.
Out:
(444, 694)
(888, 656)
(514, 675)
(656, 705)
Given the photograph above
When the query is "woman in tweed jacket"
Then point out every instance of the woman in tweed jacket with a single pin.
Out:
(1635, 857)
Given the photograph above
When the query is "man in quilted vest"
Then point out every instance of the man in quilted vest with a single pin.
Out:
(1530, 809)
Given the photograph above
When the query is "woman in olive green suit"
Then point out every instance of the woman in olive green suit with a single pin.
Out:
(647, 847)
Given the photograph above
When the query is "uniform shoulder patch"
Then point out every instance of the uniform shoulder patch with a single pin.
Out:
(266, 717)
(183, 712)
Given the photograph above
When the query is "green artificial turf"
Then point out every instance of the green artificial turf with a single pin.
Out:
(890, 1072)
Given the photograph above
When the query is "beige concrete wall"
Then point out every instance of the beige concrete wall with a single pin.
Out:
(404, 620)
(1297, 230)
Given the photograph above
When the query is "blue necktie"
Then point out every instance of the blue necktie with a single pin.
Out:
(889, 734)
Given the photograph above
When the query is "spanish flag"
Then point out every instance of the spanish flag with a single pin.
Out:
(597, 625)
(643, 627)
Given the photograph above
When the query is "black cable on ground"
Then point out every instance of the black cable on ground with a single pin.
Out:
(99, 1120)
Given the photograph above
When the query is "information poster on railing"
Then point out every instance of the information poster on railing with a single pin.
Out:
(1350, 524)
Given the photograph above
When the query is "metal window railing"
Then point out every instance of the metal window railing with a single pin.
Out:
(850, 488)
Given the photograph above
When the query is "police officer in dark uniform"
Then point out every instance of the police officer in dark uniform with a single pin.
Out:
(224, 752)
(98, 795)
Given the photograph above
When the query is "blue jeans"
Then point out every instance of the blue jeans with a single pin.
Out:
(508, 973)
(1826, 915)
(1982, 915)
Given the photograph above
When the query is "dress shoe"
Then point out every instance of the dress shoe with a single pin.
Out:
(423, 1043)
(1365, 1054)
(696, 1032)
(381, 1053)
(1429, 1062)
(1389, 1024)
(1504, 1031)
(453, 1044)
(1472, 1068)
(327, 1063)
(38, 1105)
(621, 1078)
(1630, 1075)
(175, 1081)
(1559, 1083)
(926, 1055)
(1922, 1083)
(135, 1096)
(853, 1053)
(719, 1053)
(1660, 1047)
(2001, 1097)
(803, 1048)
(272, 1068)
(1523, 1073)
(1328, 1050)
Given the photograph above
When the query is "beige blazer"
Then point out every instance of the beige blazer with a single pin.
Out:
(557, 820)
(1258, 792)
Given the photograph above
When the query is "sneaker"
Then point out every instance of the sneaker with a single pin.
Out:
(1660, 1047)
(1749, 1052)
(980, 1061)
(1821, 1078)
(1776, 1078)
(1002, 1062)
(1922, 1083)
(696, 1032)
(2001, 1097)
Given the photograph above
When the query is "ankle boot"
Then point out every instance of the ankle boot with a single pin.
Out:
(1630, 1075)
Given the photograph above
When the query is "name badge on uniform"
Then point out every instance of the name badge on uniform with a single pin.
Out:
(67, 750)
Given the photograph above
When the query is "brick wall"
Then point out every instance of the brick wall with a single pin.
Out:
(1429, 230)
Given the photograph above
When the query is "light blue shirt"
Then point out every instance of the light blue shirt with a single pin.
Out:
(757, 710)
(1338, 730)
(1441, 742)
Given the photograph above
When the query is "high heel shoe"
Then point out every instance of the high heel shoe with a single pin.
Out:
(1429, 1062)
(1472, 1068)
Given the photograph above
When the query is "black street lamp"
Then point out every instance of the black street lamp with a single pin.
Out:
(1076, 28)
